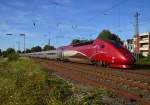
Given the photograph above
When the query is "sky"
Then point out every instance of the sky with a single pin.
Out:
(65, 20)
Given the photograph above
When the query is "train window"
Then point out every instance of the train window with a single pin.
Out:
(83, 43)
(102, 46)
(51, 53)
(116, 44)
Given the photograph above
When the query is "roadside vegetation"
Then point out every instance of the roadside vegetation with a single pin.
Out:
(7, 52)
(144, 60)
(10, 54)
(25, 82)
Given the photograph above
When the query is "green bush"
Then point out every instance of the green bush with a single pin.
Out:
(13, 56)
(22, 83)
(25, 82)
(0, 53)
(144, 60)
(148, 57)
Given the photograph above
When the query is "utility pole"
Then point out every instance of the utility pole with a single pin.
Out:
(49, 40)
(24, 42)
(18, 43)
(136, 16)
(136, 34)
(9, 34)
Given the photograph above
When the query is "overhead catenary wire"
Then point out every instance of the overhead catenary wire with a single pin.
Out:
(75, 28)
(106, 10)
(102, 13)
(105, 13)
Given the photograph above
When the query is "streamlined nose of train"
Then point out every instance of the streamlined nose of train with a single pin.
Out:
(129, 60)
(127, 57)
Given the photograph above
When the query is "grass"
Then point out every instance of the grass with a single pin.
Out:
(144, 60)
(22, 83)
(25, 82)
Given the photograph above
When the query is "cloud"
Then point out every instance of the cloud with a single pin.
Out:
(68, 37)
(87, 28)
(56, 3)
(74, 27)
(60, 2)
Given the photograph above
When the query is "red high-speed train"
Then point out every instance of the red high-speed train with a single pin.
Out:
(107, 53)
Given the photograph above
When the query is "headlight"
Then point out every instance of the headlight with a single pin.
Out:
(113, 60)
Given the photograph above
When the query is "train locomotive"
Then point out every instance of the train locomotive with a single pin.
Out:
(107, 53)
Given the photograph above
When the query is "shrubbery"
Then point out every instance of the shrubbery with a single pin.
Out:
(24, 82)
(0, 53)
(144, 60)
(11, 54)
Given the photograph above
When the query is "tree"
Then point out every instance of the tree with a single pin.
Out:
(48, 47)
(75, 41)
(36, 49)
(0, 52)
(10, 51)
(107, 35)
(11, 54)
(18, 51)
(28, 51)
(4, 54)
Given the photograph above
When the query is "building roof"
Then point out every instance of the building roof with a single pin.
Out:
(129, 41)
(144, 34)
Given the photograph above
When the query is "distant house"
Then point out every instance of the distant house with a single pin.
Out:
(139, 44)
(129, 45)
(144, 44)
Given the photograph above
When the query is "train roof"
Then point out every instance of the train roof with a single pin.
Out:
(83, 43)
(90, 43)
(42, 52)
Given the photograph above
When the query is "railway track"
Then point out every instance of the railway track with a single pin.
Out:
(117, 73)
(121, 82)
(136, 71)
(129, 83)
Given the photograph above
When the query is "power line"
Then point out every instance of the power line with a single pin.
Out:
(75, 27)
(104, 12)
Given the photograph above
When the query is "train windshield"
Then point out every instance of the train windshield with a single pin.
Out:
(116, 44)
